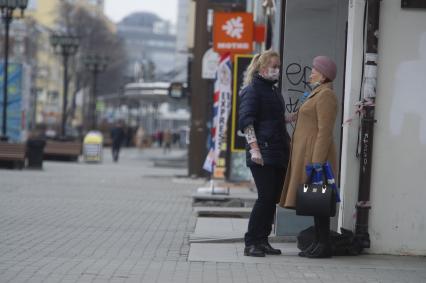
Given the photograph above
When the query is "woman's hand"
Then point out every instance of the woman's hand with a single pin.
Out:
(317, 166)
(256, 156)
(290, 118)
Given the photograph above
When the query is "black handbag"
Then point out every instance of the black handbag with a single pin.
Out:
(316, 200)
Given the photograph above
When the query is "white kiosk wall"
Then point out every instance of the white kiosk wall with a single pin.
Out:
(312, 27)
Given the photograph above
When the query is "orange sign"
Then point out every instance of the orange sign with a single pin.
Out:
(233, 32)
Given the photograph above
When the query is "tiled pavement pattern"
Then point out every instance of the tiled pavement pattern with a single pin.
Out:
(127, 222)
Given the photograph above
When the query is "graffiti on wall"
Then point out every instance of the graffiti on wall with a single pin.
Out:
(297, 77)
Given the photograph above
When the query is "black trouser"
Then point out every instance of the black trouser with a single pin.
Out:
(269, 181)
(322, 229)
(115, 151)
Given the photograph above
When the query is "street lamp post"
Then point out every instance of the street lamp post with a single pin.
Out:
(96, 64)
(65, 45)
(7, 8)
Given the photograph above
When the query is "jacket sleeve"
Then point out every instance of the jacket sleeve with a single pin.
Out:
(248, 108)
(326, 109)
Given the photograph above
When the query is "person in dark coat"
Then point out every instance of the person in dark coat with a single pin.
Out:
(117, 136)
(262, 119)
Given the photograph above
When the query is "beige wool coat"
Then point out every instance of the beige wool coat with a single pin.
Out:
(312, 140)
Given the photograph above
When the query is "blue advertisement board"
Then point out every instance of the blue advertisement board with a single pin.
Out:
(14, 94)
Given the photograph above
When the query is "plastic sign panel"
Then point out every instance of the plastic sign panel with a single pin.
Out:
(210, 62)
(241, 63)
(15, 120)
(413, 4)
(233, 32)
(176, 90)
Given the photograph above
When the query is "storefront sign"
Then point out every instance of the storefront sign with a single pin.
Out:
(233, 32)
(210, 63)
(216, 160)
(176, 90)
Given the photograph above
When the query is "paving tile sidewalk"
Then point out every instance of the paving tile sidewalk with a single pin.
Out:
(130, 222)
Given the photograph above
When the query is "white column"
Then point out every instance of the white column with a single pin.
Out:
(349, 163)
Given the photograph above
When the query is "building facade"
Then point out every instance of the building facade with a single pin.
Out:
(336, 28)
(45, 12)
(396, 223)
(397, 215)
(42, 20)
(181, 63)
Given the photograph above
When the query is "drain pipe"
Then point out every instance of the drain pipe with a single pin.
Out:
(367, 123)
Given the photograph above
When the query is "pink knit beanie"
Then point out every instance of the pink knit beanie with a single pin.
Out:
(325, 66)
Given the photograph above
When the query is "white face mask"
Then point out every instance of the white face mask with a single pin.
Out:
(273, 74)
(314, 85)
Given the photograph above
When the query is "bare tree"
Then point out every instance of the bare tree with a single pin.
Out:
(96, 37)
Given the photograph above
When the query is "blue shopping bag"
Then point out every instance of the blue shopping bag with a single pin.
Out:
(318, 177)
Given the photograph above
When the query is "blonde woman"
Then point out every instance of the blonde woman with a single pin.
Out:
(261, 118)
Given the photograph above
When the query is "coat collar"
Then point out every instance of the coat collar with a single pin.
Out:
(319, 88)
(258, 79)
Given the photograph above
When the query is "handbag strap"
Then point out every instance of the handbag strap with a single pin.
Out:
(322, 172)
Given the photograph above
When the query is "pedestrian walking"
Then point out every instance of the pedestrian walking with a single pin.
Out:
(118, 137)
(312, 143)
(160, 136)
(167, 140)
(140, 136)
(261, 118)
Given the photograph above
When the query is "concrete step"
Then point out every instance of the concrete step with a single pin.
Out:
(224, 196)
(171, 163)
(231, 212)
(234, 252)
(225, 230)
(219, 229)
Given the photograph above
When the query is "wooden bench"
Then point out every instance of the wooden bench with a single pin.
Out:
(60, 149)
(13, 153)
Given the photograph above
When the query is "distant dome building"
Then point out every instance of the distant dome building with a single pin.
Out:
(141, 19)
(150, 47)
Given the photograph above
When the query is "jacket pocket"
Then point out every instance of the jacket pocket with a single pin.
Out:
(263, 143)
(266, 130)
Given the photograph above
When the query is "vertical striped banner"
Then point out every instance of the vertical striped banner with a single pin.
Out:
(221, 112)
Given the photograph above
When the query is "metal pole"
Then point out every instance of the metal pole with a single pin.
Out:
(65, 99)
(7, 20)
(367, 124)
(197, 150)
(282, 39)
(34, 109)
(93, 106)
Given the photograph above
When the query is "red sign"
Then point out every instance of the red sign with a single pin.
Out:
(233, 32)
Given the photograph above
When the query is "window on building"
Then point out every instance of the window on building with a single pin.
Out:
(32, 5)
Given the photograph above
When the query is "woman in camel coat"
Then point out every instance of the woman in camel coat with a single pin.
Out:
(312, 143)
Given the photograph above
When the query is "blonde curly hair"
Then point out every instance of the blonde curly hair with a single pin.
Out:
(259, 61)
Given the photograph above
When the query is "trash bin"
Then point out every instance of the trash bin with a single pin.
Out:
(92, 146)
(35, 150)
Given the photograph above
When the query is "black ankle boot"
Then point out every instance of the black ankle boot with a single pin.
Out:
(254, 250)
(321, 250)
(269, 250)
(308, 250)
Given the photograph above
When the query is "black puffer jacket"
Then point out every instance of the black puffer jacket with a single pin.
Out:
(262, 106)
